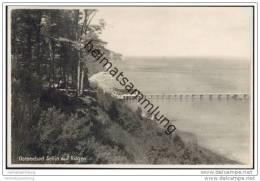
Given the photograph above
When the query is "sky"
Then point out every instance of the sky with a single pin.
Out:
(178, 31)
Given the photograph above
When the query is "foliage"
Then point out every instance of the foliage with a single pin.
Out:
(52, 117)
(44, 55)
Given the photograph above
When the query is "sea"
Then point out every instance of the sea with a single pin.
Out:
(223, 126)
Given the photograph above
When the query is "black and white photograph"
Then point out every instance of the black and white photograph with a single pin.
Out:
(130, 86)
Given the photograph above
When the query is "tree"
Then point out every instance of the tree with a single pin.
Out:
(87, 32)
(46, 52)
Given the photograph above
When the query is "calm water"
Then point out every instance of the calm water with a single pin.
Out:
(223, 126)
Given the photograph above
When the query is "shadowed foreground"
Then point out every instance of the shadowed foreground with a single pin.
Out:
(103, 130)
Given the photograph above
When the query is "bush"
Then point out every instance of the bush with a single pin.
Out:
(24, 119)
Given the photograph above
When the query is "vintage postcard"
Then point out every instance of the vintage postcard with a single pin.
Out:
(130, 86)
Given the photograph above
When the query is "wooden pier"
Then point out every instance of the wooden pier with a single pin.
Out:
(191, 96)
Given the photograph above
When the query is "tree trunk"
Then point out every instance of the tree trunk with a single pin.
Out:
(78, 77)
(51, 65)
(79, 58)
(38, 52)
(81, 81)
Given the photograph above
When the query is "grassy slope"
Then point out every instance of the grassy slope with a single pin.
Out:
(105, 130)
